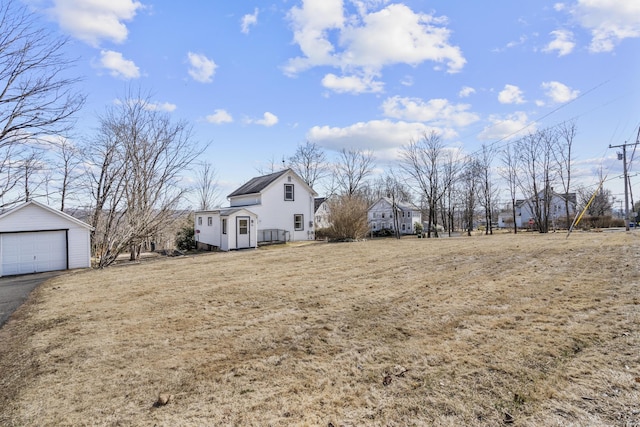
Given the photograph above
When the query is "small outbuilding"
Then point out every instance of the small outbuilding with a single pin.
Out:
(226, 229)
(35, 238)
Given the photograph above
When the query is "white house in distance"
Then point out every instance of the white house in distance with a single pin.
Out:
(321, 218)
(278, 207)
(381, 216)
(525, 216)
(35, 238)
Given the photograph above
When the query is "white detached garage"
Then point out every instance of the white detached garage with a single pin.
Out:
(36, 238)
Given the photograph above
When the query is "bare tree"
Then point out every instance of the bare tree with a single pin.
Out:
(566, 133)
(431, 171)
(207, 191)
(36, 92)
(488, 192)
(470, 180)
(67, 163)
(352, 169)
(271, 166)
(535, 180)
(509, 172)
(310, 162)
(136, 164)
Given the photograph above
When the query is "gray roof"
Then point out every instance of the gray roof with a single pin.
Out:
(317, 202)
(257, 184)
(405, 206)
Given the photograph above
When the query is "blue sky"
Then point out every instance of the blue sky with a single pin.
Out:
(256, 79)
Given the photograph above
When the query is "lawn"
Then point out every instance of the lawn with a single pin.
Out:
(522, 330)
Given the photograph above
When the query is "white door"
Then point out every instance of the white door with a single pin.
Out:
(243, 232)
(24, 253)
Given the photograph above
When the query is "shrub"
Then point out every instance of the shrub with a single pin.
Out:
(348, 218)
(185, 238)
(418, 227)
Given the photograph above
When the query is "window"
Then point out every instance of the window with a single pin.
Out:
(199, 220)
(288, 192)
(382, 214)
(298, 222)
(243, 226)
(224, 225)
(209, 221)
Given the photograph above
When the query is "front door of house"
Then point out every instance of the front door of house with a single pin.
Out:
(243, 234)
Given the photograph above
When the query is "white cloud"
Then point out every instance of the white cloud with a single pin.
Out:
(368, 41)
(162, 106)
(352, 84)
(379, 136)
(219, 116)
(407, 81)
(510, 126)
(202, 68)
(559, 93)
(609, 21)
(562, 43)
(466, 91)
(435, 111)
(248, 20)
(268, 120)
(511, 95)
(95, 20)
(118, 66)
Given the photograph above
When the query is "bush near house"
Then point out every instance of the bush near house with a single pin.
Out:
(348, 218)
(185, 237)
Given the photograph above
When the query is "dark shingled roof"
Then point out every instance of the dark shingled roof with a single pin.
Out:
(317, 202)
(257, 184)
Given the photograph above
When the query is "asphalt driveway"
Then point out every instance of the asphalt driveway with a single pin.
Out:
(14, 291)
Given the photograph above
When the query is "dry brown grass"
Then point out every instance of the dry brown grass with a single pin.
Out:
(443, 332)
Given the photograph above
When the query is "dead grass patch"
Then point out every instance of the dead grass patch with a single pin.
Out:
(528, 330)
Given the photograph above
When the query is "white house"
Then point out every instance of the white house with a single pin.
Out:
(381, 216)
(321, 218)
(525, 216)
(281, 206)
(35, 238)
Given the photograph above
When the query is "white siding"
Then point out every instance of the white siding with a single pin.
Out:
(205, 233)
(36, 217)
(277, 213)
(212, 234)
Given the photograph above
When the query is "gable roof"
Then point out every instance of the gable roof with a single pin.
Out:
(257, 184)
(400, 205)
(317, 202)
(47, 208)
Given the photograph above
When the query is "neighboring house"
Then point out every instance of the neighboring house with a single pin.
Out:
(321, 208)
(525, 216)
(381, 216)
(35, 238)
(281, 205)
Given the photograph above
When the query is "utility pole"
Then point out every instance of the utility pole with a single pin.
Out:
(623, 157)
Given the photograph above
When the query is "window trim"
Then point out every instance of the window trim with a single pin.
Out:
(224, 225)
(292, 197)
(300, 221)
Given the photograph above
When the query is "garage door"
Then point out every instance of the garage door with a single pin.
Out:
(24, 253)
